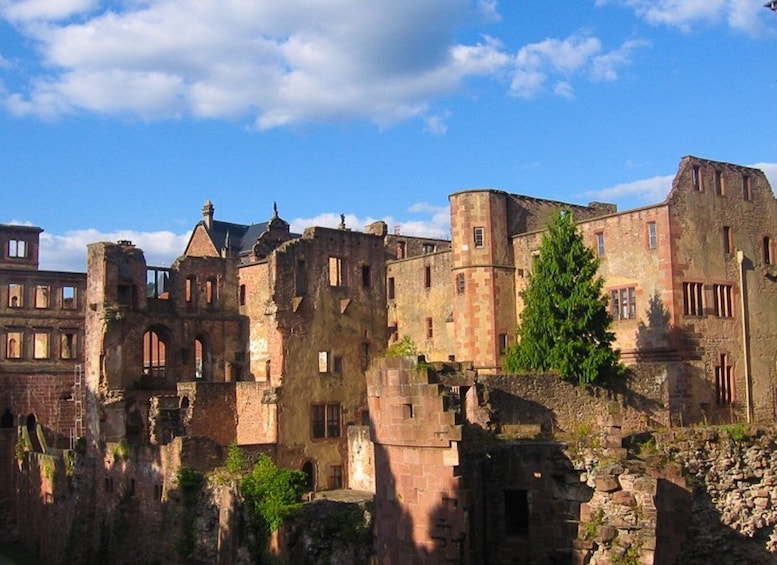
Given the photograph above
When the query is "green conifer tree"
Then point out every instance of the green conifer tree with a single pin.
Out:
(565, 324)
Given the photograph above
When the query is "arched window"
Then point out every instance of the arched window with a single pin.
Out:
(154, 354)
(199, 359)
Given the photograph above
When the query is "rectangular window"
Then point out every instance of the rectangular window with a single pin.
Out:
(69, 297)
(479, 237)
(652, 235)
(13, 345)
(427, 277)
(502, 344)
(460, 283)
(335, 476)
(401, 249)
(15, 295)
(338, 272)
(724, 382)
(366, 276)
(428, 247)
(407, 411)
(747, 190)
(365, 355)
(693, 304)
(242, 295)
(300, 282)
(318, 421)
(429, 328)
(337, 365)
(696, 175)
(516, 513)
(333, 420)
(623, 303)
(126, 295)
(67, 344)
(722, 294)
(391, 288)
(768, 251)
(600, 244)
(42, 296)
(40, 349)
(728, 240)
(720, 188)
(17, 248)
(211, 292)
(323, 361)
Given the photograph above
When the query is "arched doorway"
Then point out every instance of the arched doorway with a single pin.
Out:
(310, 473)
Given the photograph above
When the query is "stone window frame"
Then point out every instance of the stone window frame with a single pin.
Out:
(72, 346)
(429, 326)
(41, 344)
(725, 384)
(42, 296)
(69, 295)
(652, 235)
(479, 237)
(722, 300)
(623, 303)
(15, 337)
(17, 249)
(325, 420)
(600, 249)
(335, 478)
(461, 283)
(767, 252)
(391, 289)
(427, 276)
(728, 240)
(693, 298)
(720, 183)
(747, 187)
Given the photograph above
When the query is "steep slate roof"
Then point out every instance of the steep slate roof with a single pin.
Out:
(241, 237)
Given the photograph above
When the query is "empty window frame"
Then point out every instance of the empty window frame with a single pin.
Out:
(189, 287)
(338, 271)
(68, 342)
(693, 304)
(365, 357)
(724, 382)
(391, 288)
(516, 513)
(429, 328)
(157, 282)
(366, 276)
(199, 359)
(429, 247)
(479, 236)
(15, 295)
(460, 284)
(652, 234)
(336, 476)
(17, 249)
(728, 240)
(40, 344)
(768, 251)
(126, 295)
(154, 354)
(600, 244)
(696, 178)
(242, 295)
(722, 297)
(401, 249)
(69, 297)
(14, 344)
(747, 189)
(427, 276)
(300, 280)
(623, 303)
(211, 292)
(325, 420)
(42, 293)
(502, 341)
(323, 362)
(720, 187)
(337, 364)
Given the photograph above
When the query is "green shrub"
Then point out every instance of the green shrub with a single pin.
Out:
(236, 459)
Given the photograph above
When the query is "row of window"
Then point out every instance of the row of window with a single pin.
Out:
(41, 296)
(694, 299)
(41, 344)
(719, 183)
(17, 249)
(335, 364)
(652, 239)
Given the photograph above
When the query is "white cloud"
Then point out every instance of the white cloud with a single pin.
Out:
(746, 16)
(537, 63)
(68, 252)
(275, 63)
(648, 191)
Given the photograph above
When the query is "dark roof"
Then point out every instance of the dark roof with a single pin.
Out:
(241, 237)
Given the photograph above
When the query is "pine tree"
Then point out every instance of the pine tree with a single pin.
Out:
(565, 324)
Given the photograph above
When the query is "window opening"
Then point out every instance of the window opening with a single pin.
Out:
(696, 174)
(652, 235)
(600, 244)
(13, 345)
(15, 295)
(338, 272)
(747, 190)
(366, 276)
(724, 382)
(211, 292)
(68, 297)
(722, 294)
(126, 295)
(516, 513)
(479, 237)
(333, 420)
(300, 282)
(323, 361)
(720, 188)
(460, 283)
(692, 299)
(391, 288)
(17, 249)
(67, 344)
(427, 276)
(365, 355)
(429, 247)
(335, 476)
(157, 283)
(623, 303)
(768, 251)
(502, 344)
(154, 354)
(728, 240)
(199, 359)
(41, 296)
(337, 365)
(429, 328)
(40, 349)
(242, 295)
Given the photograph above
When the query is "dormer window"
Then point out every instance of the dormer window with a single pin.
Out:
(17, 249)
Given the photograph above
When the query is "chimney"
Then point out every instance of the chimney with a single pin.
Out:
(207, 214)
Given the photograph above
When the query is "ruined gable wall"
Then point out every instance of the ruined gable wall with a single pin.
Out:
(699, 214)
(200, 244)
(339, 321)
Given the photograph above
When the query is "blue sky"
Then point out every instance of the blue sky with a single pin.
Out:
(118, 119)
